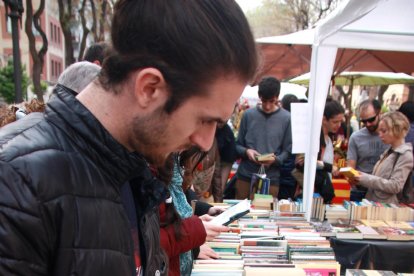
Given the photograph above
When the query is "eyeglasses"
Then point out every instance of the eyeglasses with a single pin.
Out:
(369, 120)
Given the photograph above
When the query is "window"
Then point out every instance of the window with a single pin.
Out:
(51, 32)
(58, 35)
(53, 68)
(55, 31)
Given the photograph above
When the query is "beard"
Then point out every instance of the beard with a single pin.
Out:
(151, 137)
(372, 128)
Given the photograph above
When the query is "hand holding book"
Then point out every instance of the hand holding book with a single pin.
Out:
(265, 157)
(349, 172)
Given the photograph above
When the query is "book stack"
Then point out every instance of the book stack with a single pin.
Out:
(264, 252)
(369, 232)
(261, 271)
(367, 209)
(306, 254)
(365, 272)
(324, 228)
(347, 230)
(218, 267)
(226, 250)
(264, 202)
(280, 241)
(333, 212)
(318, 208)
(321, 268)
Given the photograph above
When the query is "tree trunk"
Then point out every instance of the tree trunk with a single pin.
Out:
(410, 93)
(85, 30)
(381, 92)
(102, 21)
(37, 57)
(65, 18)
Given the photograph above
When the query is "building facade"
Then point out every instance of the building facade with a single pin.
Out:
(49, 21)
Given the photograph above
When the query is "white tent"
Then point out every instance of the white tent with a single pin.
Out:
(250, 92)
(370, 24)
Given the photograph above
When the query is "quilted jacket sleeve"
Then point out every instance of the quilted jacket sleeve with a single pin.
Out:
(23, 238)
(194, 235)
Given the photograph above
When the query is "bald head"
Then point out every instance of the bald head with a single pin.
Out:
(78, 75)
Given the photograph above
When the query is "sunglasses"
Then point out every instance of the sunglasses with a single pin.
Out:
(369, 120)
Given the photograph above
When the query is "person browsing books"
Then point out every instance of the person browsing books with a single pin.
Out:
(365, 146)
(333, 115)
(181, 231)
(393, 168)
(61, 171)
(264, 129)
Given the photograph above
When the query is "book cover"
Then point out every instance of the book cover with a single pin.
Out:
(370, 233)
(233, 213)
(349, 172)
(265, 157)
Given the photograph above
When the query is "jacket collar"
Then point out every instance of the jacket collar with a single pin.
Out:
(403, 148)
(72, 117)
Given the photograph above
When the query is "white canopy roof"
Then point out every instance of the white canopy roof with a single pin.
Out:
(369, 24)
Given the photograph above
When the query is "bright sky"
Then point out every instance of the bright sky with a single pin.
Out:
(247, 5)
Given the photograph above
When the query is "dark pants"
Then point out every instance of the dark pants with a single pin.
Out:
(243, 189)
(357, 195)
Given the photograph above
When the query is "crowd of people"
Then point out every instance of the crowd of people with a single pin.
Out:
(115, 173)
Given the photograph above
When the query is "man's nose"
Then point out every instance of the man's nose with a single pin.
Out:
(203, 137)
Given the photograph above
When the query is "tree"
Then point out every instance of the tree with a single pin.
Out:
(37, 56)
(7, 82)
(305, 13)
(66, 18)
(381, 92)
(90, 17)
(277, 17)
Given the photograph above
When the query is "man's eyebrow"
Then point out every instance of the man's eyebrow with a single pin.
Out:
(219, 120)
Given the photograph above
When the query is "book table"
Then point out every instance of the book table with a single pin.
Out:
(397, 256)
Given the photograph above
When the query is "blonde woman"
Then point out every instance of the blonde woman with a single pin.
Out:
(395, 164)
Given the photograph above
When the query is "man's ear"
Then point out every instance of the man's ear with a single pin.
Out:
(150, 87)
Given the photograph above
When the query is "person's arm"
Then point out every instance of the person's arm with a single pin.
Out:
(194, 235)
(286, 145)
(395, 183)
(351, 163)
(352, 153)
(241, 142)
(201, 208)
(24, 239)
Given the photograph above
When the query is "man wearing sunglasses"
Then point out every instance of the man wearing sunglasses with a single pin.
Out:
(365, 146)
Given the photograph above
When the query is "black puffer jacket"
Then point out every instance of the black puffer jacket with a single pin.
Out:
(60, 206)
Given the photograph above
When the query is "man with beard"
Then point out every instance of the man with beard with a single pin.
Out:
(175, 70)
(365, 146)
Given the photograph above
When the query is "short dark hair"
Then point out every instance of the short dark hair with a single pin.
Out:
(190, 42)
(96, 52)
(374, 103)
(332, 108)
(407, 109)
(287, 100)
(269, 87)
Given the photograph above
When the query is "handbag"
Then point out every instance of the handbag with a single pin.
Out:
(406, 195)
(259, 183)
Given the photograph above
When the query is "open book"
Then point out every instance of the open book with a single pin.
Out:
(233, 213)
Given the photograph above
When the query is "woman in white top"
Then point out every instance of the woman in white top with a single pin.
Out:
(333, 115)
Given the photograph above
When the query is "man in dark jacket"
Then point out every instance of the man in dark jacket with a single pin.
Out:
(172, 75)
